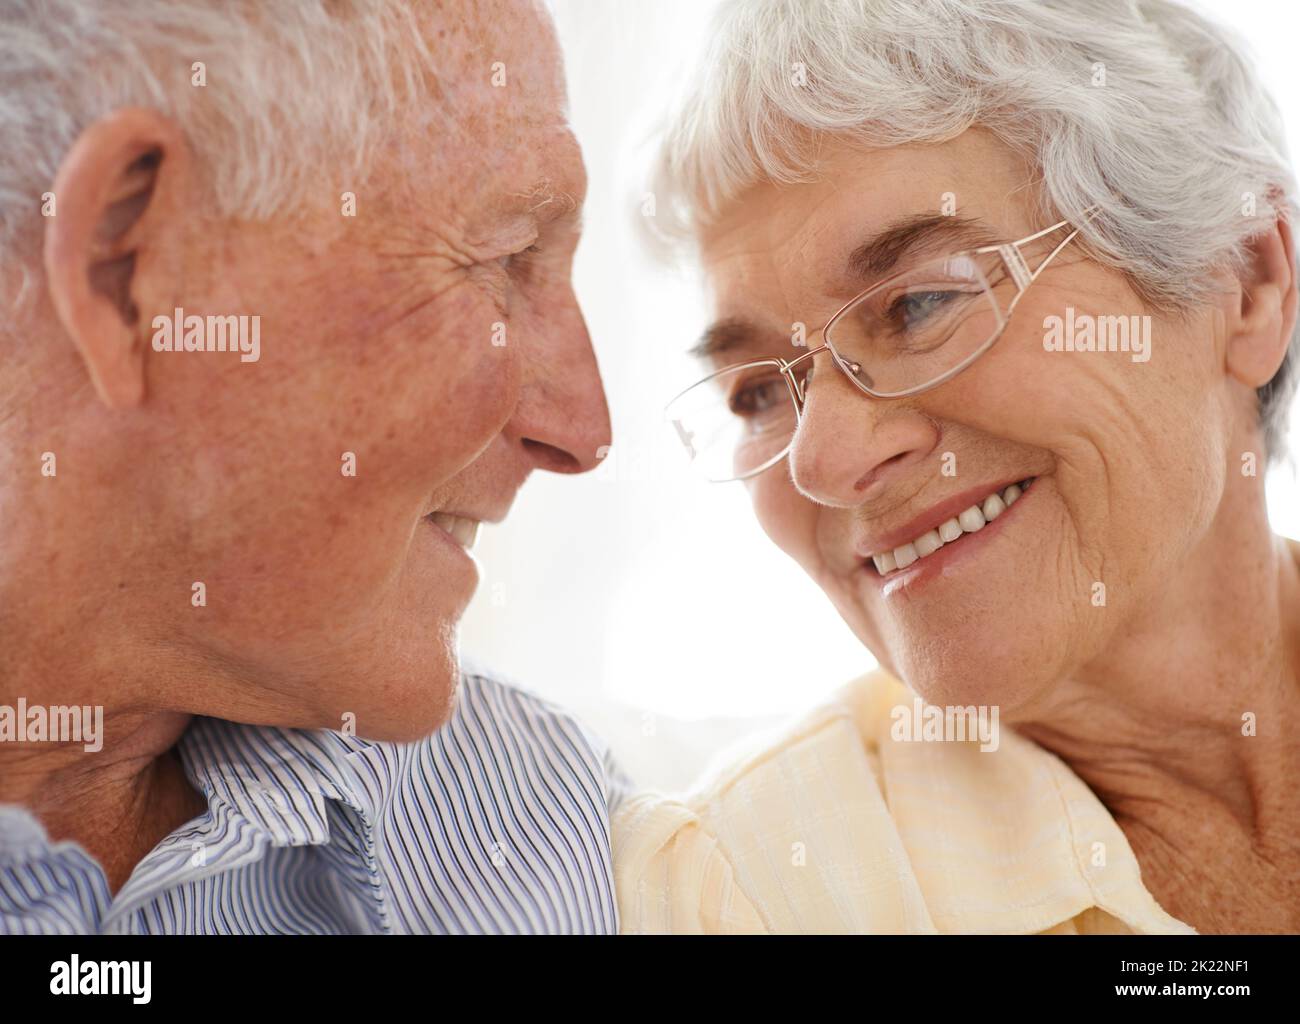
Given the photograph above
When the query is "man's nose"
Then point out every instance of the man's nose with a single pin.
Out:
(851, 447)
(562, 419)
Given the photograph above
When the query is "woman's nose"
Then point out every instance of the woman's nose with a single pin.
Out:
(850, 446)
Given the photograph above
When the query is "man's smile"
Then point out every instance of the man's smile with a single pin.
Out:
(461, 529)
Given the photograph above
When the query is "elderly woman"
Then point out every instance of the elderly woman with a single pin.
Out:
(1041, 258)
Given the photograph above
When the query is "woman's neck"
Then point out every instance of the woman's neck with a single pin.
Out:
(1189, 732)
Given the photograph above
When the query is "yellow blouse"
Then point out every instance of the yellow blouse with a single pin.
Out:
(833, 826)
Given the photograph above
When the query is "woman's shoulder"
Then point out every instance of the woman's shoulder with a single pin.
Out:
(774, 836)
(845, 723)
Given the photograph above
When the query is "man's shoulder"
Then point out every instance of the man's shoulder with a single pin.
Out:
(489, 702)
(486, 692)
(513, 790)
(541, 743)
(499, 736)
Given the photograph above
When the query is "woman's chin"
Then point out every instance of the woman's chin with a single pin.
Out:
(970, 675)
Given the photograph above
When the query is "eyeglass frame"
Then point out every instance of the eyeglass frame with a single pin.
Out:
(1016, 266)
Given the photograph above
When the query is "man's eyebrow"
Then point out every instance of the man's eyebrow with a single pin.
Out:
(884, 249)
(545, 201)
(725, 335)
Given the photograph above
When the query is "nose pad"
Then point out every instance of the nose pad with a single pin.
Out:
(801, 376)
(853, 371)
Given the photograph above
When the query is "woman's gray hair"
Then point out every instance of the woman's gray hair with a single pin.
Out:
(1140, 107)
(283, 88)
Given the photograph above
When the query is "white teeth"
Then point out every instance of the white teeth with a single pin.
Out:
(993, 507)
(971, 520)
(928, 543)
(463, 531)
(467, 533)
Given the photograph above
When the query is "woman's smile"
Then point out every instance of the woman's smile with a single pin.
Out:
(942, 538)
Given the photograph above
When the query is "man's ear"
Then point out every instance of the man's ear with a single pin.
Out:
(119, 188)
(1265, 318)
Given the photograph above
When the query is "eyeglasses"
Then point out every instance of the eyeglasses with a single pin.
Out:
(904, 335)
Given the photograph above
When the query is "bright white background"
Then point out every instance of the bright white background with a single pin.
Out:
(634, 595)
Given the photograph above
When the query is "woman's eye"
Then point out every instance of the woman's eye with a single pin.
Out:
(758, 397)
(914, 307)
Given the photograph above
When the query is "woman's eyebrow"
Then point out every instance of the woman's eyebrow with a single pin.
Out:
(884, 249)
(725, 336)
(869, 260)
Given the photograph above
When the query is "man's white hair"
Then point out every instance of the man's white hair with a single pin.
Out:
(1141, 107)
(289, 86)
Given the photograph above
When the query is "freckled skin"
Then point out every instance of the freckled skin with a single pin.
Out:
(326, 594)
(1139, 487)
(1133, 458)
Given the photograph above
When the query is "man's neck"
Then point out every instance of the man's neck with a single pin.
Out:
(117, 803)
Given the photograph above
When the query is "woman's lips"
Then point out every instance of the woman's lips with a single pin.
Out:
(971, 518)
(878, 542)
(933, 550)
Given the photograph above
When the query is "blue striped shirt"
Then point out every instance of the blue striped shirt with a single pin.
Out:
(497, 823)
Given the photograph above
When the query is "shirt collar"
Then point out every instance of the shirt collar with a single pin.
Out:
(265, 787)
(1035, 845)
(279, 781)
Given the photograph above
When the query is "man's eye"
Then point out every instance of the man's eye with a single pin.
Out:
(518, 260)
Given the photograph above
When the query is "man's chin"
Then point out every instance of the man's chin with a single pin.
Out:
(407, 707)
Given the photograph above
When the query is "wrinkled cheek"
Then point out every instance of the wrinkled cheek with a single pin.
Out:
(324, 528)
(435, 411)
(466, 379)
(484, 396)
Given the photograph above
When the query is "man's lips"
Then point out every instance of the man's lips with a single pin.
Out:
(461, 523)
(459, 515)
(462, 529)
(880, 542)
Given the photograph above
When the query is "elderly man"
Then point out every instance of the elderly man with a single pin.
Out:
(287, 314)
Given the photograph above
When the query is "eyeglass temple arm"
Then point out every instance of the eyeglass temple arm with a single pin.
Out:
(1015, 261)
(1033, 276)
